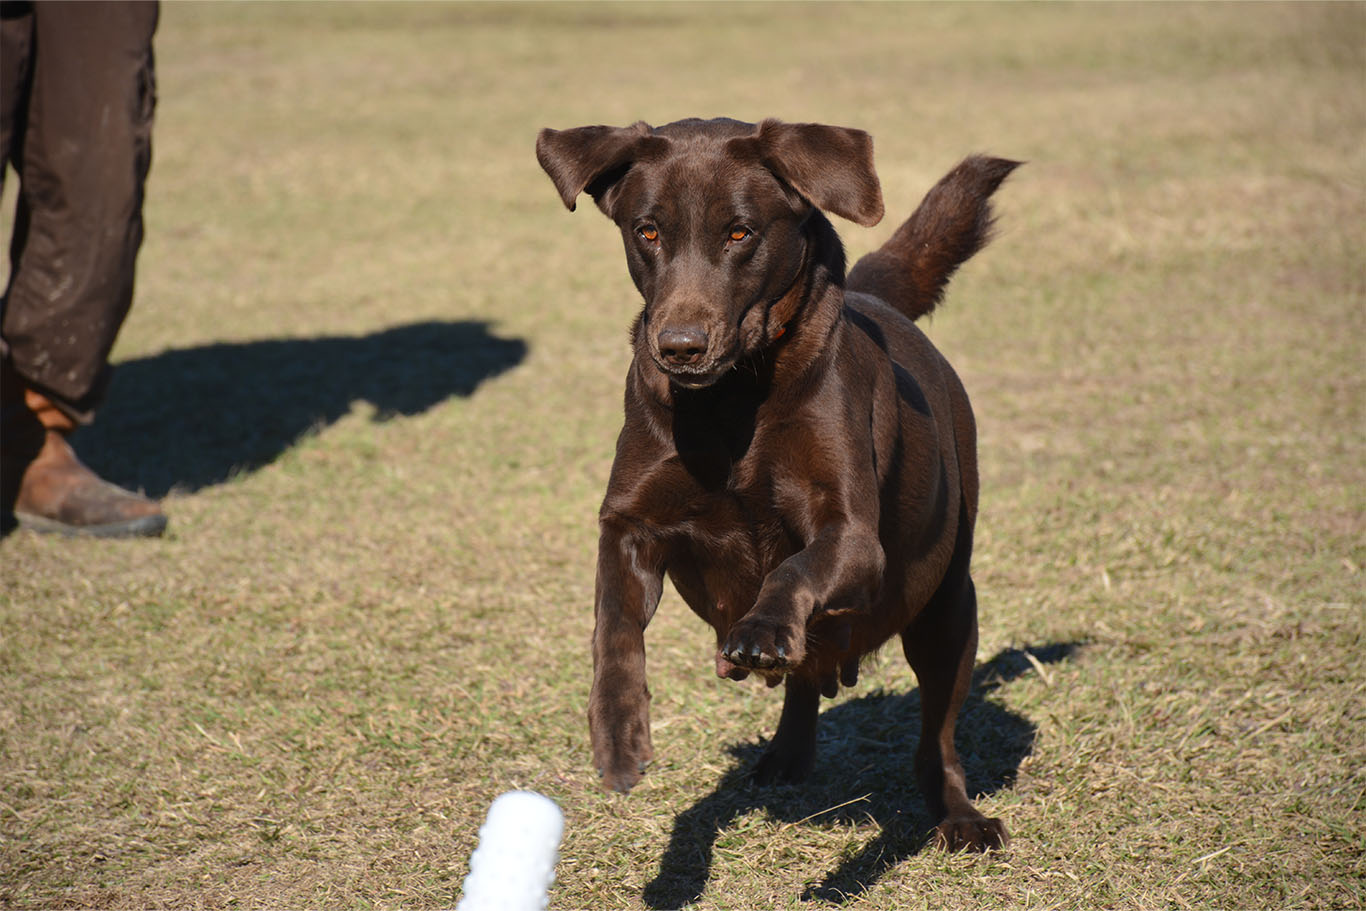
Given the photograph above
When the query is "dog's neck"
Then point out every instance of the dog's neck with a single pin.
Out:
(808, 314)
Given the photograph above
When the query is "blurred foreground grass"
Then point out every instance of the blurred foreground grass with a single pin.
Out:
(378, 369)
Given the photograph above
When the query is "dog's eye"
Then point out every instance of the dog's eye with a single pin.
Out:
(648, 232)
(739, 233)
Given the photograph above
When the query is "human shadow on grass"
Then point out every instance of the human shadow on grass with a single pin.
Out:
(193, 417)
(864, 770)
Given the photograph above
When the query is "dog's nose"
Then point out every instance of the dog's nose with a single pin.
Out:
(682, 346)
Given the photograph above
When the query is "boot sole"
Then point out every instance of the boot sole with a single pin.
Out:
(142, 527)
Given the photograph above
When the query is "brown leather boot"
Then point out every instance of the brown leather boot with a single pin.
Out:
(51, 491)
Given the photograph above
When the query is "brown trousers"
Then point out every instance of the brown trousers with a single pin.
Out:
(77, 92)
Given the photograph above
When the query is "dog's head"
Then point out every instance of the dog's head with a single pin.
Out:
(713, 214)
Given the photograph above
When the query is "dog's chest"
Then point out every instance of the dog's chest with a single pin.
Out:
(710, 495)
(721, 551)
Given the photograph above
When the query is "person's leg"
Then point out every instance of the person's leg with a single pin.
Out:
(78, 132)
(16, 66)
(82, 156)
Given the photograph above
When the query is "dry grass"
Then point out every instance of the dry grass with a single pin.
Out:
(377, 369)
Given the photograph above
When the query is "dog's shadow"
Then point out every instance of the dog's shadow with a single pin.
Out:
(193, 417)
(864, 770)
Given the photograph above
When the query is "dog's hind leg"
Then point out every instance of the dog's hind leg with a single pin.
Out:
(941, 644)
(792, 754)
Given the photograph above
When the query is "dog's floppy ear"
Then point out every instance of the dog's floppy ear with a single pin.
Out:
(830, 166)
(593, 158)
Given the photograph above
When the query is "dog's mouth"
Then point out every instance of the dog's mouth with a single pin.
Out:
(692, 379)
(696, 376)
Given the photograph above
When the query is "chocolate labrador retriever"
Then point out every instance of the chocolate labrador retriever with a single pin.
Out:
(796, 456)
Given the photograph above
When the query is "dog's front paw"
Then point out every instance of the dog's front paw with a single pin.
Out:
(622, 765)
(973, 832)
(621, 742)
(621, 774)
(763, 643)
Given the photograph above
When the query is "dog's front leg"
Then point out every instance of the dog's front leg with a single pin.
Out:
(842, 564)
(630, 580)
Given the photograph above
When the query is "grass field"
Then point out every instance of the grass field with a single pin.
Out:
(375, 369)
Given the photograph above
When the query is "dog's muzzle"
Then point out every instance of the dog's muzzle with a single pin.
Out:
(683, 353)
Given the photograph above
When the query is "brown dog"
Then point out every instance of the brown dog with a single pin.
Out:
(796, 456)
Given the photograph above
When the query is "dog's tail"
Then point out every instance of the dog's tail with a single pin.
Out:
(952, 223)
